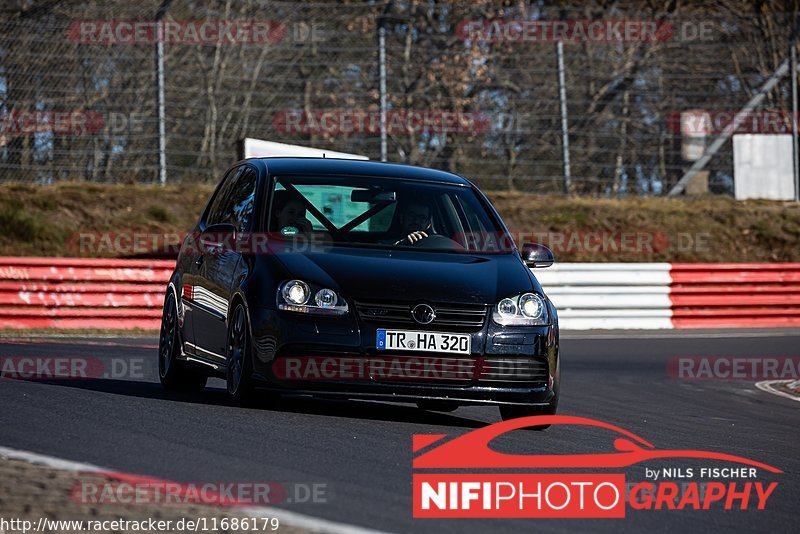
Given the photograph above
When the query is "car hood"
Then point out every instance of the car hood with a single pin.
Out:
(412, 275)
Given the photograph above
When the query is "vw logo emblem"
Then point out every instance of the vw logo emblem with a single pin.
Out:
(423, 314)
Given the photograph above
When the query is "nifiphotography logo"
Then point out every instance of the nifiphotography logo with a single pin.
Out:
(452, 479)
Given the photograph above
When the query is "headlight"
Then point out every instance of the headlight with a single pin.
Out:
(531, 305)
(528, 309)
(295, 295)
(507, 308)
(326, 298)
(295, 292)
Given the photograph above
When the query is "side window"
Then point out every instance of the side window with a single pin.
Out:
(216, 213)
(241, 200)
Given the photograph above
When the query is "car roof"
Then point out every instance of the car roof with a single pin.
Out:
(353, 167)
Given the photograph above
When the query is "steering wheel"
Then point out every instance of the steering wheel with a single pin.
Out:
(434, 241)
(404, 241)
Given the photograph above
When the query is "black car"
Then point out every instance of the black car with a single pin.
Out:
(357, 279)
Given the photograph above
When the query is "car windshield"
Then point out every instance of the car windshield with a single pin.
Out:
(384, 212)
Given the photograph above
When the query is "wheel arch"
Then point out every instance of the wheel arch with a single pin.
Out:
(237, 298)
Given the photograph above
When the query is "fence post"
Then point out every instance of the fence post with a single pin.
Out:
(382, 71)
(562, 97)
(795, 159)
(160, 105)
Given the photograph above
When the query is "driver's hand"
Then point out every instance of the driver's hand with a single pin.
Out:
(413, 237)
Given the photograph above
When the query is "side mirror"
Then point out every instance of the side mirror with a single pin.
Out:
(535, 255)
(218, 237)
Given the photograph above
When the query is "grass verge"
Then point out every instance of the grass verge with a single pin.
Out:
(45, 220)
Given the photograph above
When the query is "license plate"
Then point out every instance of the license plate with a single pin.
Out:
(423, 341)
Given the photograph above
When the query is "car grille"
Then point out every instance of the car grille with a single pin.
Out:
(510, 372)
(451, 317)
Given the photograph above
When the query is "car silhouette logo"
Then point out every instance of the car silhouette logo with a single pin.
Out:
(472, 450)
(423, 313)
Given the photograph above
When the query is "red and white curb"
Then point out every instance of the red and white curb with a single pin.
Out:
(294, 519)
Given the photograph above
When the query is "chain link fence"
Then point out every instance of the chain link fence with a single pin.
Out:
(471, 87)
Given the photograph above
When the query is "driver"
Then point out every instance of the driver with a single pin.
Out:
(415, 221)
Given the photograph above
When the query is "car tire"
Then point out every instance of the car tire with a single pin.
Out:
(437, 406)
(239, 367)
(173, 373)
(514, 411)
(508, 412)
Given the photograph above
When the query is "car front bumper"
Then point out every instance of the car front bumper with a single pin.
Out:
(507, 365)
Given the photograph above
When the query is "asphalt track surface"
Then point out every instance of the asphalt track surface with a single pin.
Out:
(362, 450)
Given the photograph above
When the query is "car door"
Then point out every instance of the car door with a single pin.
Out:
(194, 259)
(219, 265)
